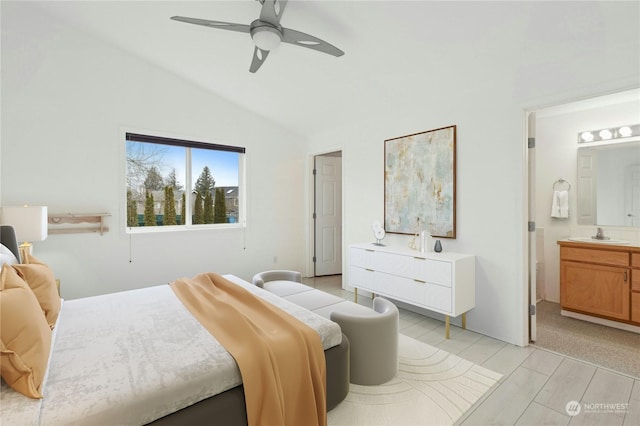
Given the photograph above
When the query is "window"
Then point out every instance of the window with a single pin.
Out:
(180, 183)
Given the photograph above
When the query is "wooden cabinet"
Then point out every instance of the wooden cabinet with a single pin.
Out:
(595, 289)
(602, 281)
(440, 282)
(635, 287)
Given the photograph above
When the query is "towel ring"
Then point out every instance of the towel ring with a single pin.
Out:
(557, 184)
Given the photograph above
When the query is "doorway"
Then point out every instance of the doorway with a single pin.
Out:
(552, 159)
(327, 214)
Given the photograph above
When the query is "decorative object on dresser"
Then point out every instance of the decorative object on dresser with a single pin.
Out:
(29, 222)
(420, 182)
(601, 283)
(439, 282)
(437, 247)
(378, 232)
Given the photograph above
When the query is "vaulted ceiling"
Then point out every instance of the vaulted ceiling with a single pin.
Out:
(393, 49)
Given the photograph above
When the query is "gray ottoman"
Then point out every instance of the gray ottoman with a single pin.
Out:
(373, 337)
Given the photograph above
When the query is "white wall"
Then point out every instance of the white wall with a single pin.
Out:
(487, 105)
(556, 150)
(65, 98)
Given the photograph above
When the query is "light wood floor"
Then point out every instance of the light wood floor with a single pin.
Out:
(537, 384)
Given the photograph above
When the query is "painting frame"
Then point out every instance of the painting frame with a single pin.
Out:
(420, 183)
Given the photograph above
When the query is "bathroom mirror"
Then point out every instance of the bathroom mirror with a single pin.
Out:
(608, 184)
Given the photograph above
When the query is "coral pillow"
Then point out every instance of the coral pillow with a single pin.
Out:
(25, 337)
(43, 283)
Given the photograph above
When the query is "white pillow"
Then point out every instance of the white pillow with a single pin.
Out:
(7, 256)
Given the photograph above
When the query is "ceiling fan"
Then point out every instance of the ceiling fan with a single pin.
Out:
(267, 33)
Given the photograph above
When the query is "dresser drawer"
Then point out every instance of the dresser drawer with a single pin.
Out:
(603, 257)
(431, 271)
(363, 278)
(360, 257)
(431, 296)
(389, 263)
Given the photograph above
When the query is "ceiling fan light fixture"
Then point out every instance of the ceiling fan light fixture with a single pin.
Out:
(266, 38)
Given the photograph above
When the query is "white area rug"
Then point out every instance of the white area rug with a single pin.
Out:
(433, 387)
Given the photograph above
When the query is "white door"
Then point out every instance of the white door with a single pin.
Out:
(328, 214)
(531, 132)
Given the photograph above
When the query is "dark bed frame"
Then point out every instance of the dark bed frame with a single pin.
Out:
(228, 408)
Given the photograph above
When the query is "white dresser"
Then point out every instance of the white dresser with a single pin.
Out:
(440, 282)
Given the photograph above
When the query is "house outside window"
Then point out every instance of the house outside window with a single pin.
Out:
(177, 184)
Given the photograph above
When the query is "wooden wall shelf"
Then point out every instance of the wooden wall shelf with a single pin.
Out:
(72, 219)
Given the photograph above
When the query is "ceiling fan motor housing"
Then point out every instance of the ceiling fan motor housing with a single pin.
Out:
(265, 35)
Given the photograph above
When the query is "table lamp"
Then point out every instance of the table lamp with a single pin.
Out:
(30, 224)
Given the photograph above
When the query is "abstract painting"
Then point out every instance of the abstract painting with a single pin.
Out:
(420, 183)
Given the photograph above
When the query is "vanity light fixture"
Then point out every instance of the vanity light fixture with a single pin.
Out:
(625, 131)
(605, 134)
(586, 137)
(609, 133)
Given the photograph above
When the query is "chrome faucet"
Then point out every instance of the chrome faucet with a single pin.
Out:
(600, 235)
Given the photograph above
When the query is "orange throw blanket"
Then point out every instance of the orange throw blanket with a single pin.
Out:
(281, 359)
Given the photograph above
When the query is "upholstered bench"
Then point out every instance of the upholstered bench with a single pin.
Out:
(372, 333)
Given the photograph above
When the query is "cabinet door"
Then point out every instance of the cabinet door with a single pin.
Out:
(595, 289)
(635, 279)
(635, 307)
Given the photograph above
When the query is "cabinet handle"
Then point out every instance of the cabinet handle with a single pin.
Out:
(370, 270)
(419, 281)
(625, 276)
(419, 258)
(369, 250)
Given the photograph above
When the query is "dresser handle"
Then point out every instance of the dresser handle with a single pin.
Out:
(625, 276)
(369, 250)
(419, 281)
(370, 270)
(419, 258)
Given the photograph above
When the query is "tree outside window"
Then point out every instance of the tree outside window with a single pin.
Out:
(158, 178)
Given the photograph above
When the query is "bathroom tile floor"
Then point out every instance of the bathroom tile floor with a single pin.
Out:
(538, 386)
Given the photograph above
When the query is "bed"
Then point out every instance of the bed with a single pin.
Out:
(140, 357)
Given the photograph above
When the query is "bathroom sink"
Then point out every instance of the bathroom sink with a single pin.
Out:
(593, 240)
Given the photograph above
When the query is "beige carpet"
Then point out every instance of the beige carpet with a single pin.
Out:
(604, 346)
(433, 387)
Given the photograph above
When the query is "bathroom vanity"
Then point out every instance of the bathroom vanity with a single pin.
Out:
(601, 283)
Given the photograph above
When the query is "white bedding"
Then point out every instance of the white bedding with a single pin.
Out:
(133, 357)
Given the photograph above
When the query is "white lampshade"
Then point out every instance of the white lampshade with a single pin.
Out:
(30, 222)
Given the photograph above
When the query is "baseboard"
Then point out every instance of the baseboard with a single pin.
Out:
(601, 321)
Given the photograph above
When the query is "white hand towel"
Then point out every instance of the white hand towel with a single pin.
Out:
(563, 196)
(560, 205)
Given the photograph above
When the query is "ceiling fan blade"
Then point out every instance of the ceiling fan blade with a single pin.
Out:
(214, 24)
(259, 56)
(305, 40)
(272, 11)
